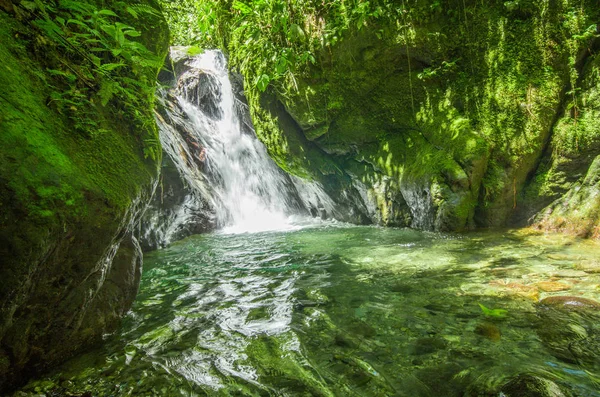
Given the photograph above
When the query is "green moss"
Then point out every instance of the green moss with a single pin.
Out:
(578, 212)
(579, 128)
(574, 144)
(285, 142)
(66, 196)
(465, 80)
(448, 88)
(194, 50)
(51, 166)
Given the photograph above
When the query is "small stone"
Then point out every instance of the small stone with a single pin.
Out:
(562, 257)
(552, 286)
(488, 330)
(573, 273)
(518, 289)
(570, 302)
(592, 267)
(568, 327)
(362, 328)
(343, 340)
(428, 345)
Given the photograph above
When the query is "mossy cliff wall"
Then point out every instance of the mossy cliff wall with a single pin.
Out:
(569, 175)
(75, 175)
(443, 110)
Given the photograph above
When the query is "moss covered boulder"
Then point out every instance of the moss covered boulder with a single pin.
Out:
(77, 167)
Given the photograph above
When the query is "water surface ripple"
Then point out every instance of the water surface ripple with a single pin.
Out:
(348, 311)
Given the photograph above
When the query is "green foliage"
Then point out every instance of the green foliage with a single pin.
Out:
(103, 63)
(194, 50)
(191, 22)
(271, 41)
(52, 171)
(276, 43)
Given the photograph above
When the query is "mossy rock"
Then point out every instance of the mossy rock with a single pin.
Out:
(532, 386)
(67, 201)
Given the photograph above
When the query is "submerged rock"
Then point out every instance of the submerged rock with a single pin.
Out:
(592, 267)
(532, 386)
(488, 330)
(523, 385)
(552, 286)
(570, 303)
(570, 328)
(428, 345)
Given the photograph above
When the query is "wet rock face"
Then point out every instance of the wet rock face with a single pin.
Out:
(570, 328)
(203, 90)
(175, 211)
(77, 292)
(576, 211)
(421, 205)
(119, 288)
(179, 208)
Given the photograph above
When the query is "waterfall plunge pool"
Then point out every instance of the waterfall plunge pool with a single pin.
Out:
(337, 310)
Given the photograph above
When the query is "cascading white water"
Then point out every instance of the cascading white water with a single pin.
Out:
(222, 160)
(250, 188)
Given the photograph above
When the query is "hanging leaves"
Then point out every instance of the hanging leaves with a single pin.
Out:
(262, 82)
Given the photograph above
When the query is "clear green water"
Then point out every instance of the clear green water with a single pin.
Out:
(345, 311)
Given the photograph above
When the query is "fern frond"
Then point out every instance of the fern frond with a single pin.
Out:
(138, 9)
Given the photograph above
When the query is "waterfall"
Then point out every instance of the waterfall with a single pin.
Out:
(205, 131)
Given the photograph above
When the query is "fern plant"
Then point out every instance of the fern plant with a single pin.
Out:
(104, 62)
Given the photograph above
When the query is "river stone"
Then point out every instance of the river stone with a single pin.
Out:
(569, 327)
(439, 380)
(488, 330)
(589, 266)
(428, 345)
(523, 385)
(570, 303)
(552, 286)
(531, 386)
(569, 273)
